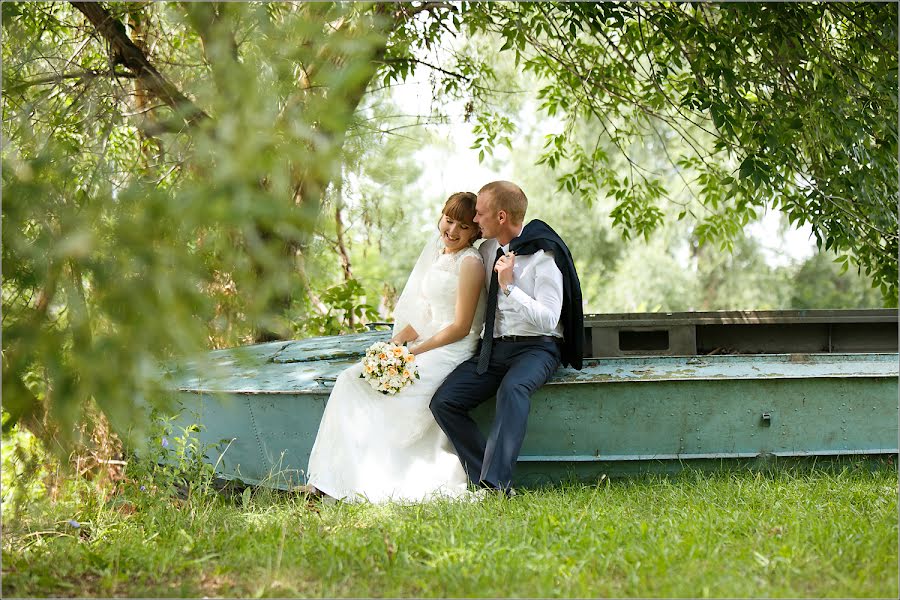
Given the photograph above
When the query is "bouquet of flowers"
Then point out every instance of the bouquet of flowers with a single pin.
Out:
(389, 367)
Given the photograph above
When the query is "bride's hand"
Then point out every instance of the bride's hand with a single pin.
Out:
(406, 336)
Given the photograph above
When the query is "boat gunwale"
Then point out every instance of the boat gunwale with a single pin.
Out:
(738, 317)
(572, 377)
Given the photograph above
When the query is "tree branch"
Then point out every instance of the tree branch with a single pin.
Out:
(80, 75)
(429, 65)
(427, 6)
(217, 40)
(128, 54)
(383, 22)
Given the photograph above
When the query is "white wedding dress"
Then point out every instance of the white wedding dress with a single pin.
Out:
(377, 447)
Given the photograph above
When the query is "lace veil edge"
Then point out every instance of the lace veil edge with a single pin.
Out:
(411, 306)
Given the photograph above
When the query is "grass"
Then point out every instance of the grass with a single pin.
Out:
(739, 534)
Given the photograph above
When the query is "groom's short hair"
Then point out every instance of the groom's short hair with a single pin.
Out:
(505, 195)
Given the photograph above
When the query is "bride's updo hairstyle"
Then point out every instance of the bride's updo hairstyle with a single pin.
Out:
(461, 207)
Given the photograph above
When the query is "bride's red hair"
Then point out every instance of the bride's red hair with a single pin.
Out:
(461, 207)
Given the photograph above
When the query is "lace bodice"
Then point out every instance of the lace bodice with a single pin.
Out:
(439, 288)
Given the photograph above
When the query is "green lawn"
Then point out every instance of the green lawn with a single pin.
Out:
(790, 533)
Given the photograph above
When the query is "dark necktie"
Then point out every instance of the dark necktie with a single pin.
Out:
(490, 313)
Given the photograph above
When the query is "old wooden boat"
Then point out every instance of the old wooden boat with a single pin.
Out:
(657, 392)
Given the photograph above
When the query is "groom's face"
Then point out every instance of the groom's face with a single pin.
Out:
(486, 216)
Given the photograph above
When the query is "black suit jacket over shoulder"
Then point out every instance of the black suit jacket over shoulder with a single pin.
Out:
(537, 235)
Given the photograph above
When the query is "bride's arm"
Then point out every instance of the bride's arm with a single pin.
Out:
(471, 282)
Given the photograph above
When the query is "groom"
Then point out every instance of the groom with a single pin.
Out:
(533, 322)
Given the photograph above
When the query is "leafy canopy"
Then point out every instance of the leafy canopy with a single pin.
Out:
(788, 105)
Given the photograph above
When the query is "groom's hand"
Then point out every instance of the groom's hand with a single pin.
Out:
(504, 268)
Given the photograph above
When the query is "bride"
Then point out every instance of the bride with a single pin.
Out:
(377, 447)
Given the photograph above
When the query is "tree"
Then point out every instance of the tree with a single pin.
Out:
(167, 163)
(821, 283)
(791, 106)
(165, 168)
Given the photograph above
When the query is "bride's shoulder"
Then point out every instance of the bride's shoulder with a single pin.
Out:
(471, 252)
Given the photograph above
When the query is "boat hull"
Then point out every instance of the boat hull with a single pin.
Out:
(617, 416)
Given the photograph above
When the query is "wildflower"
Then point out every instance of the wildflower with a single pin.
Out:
(74, 523)
(143, 488)
(165, 442)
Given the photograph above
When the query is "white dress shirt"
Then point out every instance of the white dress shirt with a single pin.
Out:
(535, 304)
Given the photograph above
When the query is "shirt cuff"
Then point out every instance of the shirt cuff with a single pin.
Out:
(519, 296)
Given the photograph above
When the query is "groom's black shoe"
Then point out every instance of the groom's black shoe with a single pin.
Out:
(509, 492)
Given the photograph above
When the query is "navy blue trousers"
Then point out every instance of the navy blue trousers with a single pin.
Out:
(515, 371)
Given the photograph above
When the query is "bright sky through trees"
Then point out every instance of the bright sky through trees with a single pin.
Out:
(454, 166)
